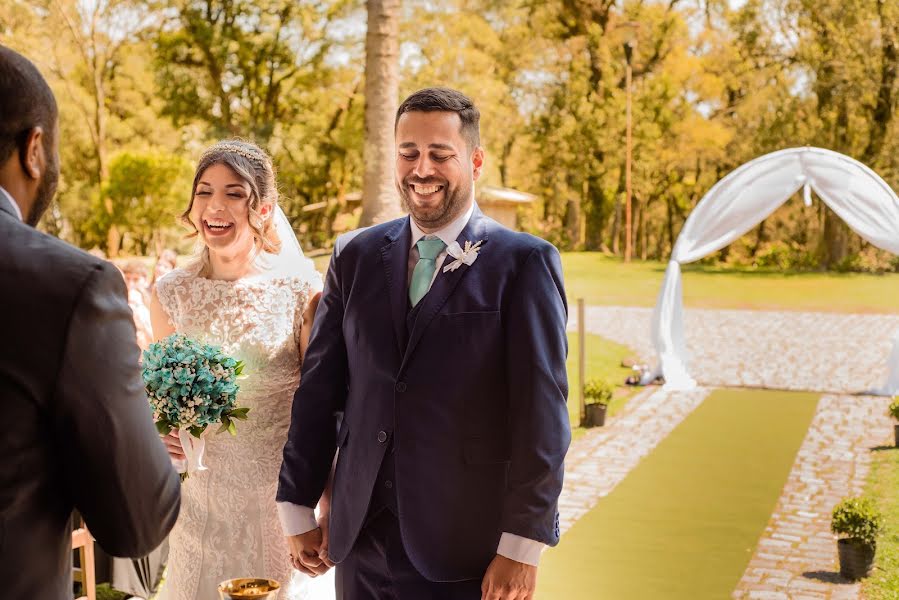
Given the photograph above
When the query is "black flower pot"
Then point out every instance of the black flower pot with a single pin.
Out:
(856, 558)
(896, 434)
(596, 415)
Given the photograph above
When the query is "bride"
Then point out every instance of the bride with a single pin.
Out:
(252, 292)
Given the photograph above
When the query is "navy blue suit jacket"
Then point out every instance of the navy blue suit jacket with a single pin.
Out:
(473, 398)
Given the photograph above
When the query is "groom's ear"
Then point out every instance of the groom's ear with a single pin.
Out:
(32, 155)
(477, 162)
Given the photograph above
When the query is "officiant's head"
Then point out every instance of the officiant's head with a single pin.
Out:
(29, 150)
(438, 155)
(233, 200)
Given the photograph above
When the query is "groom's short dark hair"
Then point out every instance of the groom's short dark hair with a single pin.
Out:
(26, 102)
(446, 100)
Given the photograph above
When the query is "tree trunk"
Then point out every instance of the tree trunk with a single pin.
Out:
(616, 222)
(113, 241)
(504, 161)
(669, 220)
(836, 240)
(882, 114)
(641, 225)
(761, 236)
(836, 232)
(379, 198)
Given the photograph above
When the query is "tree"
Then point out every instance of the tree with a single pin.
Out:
(87, 51)
(146, 192)
(244, 67)
(379, 198)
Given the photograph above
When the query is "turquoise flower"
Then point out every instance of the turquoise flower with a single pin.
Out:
(183, 390)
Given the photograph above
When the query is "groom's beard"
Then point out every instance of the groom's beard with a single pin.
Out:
(453, 205)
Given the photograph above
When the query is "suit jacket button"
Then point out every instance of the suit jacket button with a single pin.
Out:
(401, 386)
(382, 436)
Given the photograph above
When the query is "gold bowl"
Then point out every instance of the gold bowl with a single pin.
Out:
(249, 588)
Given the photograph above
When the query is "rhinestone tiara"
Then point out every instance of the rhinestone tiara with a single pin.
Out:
(235, 149)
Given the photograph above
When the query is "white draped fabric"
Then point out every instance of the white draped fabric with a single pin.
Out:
(741, 201)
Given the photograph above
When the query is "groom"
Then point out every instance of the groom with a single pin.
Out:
(441, 337)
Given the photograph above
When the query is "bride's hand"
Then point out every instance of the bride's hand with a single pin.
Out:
(323, 523)
(304, 550)
(173, 445)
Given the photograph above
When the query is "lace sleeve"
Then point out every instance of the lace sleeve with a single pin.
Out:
(165, 291)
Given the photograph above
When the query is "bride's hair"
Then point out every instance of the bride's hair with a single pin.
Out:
(253, 165)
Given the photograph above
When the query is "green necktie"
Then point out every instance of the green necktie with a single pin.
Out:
(428, 250)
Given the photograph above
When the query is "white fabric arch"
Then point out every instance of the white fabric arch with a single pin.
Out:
(741, 201)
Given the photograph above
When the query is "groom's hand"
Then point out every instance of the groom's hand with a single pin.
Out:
(304, 549)
(507, 579)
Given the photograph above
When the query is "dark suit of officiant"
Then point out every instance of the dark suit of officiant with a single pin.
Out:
(455, 420)
(77, 430)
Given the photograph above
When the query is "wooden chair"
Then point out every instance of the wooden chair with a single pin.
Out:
(84, 544)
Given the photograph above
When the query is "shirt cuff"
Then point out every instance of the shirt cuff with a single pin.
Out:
(520, 549)
(296, 519)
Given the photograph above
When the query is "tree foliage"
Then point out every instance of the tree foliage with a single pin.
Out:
(715, 84)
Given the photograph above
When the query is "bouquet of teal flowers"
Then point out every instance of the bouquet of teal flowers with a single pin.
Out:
(191, 386)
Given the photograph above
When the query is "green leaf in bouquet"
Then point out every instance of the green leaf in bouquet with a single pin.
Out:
(197, 431)
(232, 428)
(163, 427)
(226, 425)
(238, 369)
(239, 413)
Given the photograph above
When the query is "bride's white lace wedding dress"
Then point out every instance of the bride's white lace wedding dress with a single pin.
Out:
(228, 526)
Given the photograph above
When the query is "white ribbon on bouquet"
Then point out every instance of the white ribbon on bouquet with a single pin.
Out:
(193, 452)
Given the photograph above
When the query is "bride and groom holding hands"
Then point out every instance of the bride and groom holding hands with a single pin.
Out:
(430, 424)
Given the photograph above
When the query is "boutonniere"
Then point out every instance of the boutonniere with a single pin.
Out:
(467, 255)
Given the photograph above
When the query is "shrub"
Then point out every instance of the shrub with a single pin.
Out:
(598, 391)
(894, 407)
(857, 518)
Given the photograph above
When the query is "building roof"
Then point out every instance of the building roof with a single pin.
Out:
(490, 193)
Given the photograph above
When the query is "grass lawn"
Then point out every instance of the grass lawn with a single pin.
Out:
(602, 280)
(606, 281)
(603, 362)
(883, 481)
(683, 524)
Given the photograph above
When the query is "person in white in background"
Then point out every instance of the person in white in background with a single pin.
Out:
(135, 274)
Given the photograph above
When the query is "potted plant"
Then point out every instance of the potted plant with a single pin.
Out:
(894, 412)
(858, 522)
(597, 395)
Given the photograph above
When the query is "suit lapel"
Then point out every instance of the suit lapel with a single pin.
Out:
(443, 286)
(395, 258)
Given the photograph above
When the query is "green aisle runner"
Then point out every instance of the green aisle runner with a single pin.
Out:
(684, 523)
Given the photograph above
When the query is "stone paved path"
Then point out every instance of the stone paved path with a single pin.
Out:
(597, 462)
(826, 352)
(796, 556)
(838, 353)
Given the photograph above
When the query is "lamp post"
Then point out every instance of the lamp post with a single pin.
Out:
(629, 45)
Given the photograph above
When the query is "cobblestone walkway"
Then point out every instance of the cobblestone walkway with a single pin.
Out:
(796, 557)
(837, 354)
(826, 352)
(597, 462)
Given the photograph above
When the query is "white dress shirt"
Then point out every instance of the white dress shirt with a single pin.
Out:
(297, 519)
(15, 206)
